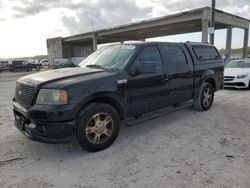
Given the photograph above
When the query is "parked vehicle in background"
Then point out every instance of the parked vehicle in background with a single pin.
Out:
(20, 65)
(44, 63)
(237, 74)
(34, 61)
(115, 84)
(36, 65)
(235, 56)
(62, 63)
(4, 65)
(76, 60)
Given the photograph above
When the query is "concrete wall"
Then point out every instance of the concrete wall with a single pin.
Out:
(57, 49)
(81, 51)
(70, 51)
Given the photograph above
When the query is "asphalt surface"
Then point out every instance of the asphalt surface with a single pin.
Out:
(186, 148)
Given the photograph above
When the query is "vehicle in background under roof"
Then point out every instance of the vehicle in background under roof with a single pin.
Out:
(237, 74)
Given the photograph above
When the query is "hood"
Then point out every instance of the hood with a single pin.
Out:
(57, 74)
(236, 71)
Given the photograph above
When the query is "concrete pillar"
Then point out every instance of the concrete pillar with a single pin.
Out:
(212, 23)
(245, 45)
(54, 49)
(204, 35)
(228, 42)
(94, 37)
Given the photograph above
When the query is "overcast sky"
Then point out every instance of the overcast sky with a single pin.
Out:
(26, 24)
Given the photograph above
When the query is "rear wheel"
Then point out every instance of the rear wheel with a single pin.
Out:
(206, 97)
(98, 127)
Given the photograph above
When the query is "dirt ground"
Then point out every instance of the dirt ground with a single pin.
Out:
(182, 149)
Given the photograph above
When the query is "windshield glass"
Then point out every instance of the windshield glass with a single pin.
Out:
(238, 64)
(110, 57)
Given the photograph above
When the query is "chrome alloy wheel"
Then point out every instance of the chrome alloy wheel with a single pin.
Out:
(207, 97)
(99, 128)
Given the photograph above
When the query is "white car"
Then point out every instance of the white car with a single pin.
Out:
(44, 63)
(237, 74)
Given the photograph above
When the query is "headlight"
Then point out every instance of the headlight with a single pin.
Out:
(241, 76)
(52, 97)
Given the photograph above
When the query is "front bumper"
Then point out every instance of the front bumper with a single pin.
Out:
(237, 83)
(42, 130)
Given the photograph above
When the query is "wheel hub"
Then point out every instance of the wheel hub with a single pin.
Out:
(207, 97)
(99, 128)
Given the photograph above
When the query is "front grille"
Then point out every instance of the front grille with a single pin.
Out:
(228, 78)
(24, 94)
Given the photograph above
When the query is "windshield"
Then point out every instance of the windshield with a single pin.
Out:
(238, 64)
(110, 57)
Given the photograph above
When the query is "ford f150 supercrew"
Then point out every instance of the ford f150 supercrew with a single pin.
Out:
(111, 85)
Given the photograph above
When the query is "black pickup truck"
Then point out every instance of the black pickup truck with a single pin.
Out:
(22, 65)
(112, 85)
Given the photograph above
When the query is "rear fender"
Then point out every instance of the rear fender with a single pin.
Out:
(208, 76)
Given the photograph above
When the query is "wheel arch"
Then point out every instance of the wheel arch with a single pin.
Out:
(107, 98)
(210, 77)
(211, 80)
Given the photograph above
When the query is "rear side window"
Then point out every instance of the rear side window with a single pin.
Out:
(151, 54)
(175, 55)
(206, 53)
(17, 62)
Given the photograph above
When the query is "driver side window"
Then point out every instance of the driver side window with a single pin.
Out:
(149, 58)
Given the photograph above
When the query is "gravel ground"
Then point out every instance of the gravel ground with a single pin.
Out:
(182, 149)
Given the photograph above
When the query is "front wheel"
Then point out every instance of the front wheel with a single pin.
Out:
(206, 97)
(97, 127)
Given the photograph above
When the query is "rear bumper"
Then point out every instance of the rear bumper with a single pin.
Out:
(42, 130)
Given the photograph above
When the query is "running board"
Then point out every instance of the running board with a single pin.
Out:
(157, 113)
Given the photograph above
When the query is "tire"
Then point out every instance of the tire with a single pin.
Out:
(98, 126)
(206, 97)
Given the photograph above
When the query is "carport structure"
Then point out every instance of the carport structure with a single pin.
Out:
(185, 22)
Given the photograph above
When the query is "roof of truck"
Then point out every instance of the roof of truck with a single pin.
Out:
(156, 42)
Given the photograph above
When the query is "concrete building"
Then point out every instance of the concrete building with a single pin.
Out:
(185, 22)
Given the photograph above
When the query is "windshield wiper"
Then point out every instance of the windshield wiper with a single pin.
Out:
(100, 67)
(95, 66)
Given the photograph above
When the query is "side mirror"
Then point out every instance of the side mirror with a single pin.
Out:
(144, 67)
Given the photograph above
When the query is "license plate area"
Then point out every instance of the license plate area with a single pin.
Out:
(20, 121)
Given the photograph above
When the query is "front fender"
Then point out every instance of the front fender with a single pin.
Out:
(107, 97)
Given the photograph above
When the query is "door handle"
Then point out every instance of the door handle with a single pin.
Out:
(165, 79)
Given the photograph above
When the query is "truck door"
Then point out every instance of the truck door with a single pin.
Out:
(147, 89)
(180, 72)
